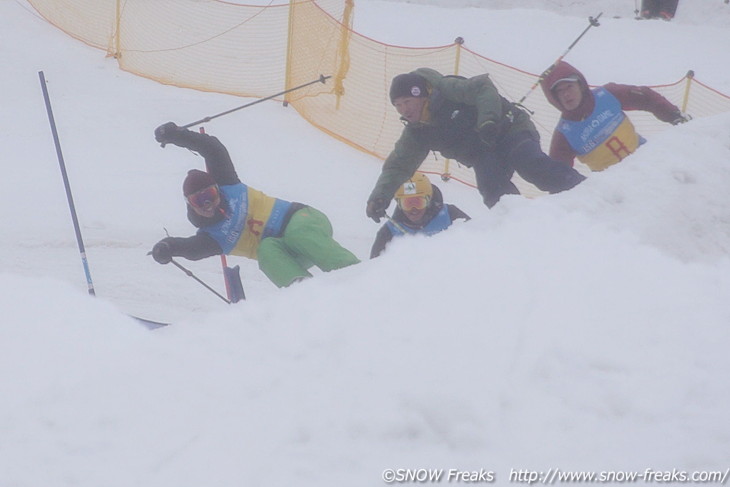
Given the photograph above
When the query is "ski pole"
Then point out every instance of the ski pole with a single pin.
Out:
(190, 273)
(322, 78)
(591, 23)
(396, 224)
(64, 174)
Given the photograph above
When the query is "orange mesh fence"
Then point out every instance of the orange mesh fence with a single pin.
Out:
(254, 51)
(209, 46)
(88, 21)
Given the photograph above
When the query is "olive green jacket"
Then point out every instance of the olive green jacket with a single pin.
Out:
(457, 108)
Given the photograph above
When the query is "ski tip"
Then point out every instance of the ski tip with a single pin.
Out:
(149, 324)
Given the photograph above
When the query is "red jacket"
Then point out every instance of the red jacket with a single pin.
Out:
(631, 98)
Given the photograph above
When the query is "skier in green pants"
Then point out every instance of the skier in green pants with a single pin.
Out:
(286, 238)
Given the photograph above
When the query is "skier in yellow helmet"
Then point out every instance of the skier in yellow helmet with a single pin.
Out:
(420, 210)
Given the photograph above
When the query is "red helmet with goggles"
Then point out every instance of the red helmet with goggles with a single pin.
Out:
(200, 189)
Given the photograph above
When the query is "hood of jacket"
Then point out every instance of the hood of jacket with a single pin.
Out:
(561, 71)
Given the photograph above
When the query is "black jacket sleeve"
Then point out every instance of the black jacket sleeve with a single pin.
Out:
(382, 238)
(217, 160)
(199, 246)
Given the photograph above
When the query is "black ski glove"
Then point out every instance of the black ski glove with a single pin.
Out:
(161, 252)
(168, 133)
(376, 209)
(680, 117)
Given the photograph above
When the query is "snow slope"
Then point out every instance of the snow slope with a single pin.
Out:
(583, 331)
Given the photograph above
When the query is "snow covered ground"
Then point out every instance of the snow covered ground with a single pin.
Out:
(584, 331)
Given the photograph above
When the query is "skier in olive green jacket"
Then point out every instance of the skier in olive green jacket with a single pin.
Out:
(469, 121)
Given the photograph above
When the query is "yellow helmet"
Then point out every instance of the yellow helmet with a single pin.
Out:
(418, 185)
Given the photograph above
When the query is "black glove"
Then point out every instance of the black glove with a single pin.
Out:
(376, 209)
(488, 132)
(167, 132)
(680, 117)
(162, 252)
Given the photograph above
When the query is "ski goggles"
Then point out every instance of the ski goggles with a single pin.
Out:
(205, 197)
(573, 78)
(414, 203)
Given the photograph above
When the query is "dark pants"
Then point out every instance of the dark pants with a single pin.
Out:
(659, 8)
(521, 152)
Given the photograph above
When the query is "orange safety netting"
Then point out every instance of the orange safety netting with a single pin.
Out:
(254, 51)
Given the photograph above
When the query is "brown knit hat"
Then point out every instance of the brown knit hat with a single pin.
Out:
(197, 180)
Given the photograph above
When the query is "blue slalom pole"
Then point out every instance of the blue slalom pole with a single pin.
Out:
(66, 184)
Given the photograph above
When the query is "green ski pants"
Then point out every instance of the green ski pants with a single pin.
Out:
(306, 241)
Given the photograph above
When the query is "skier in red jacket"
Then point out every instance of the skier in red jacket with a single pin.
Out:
(593, 126)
